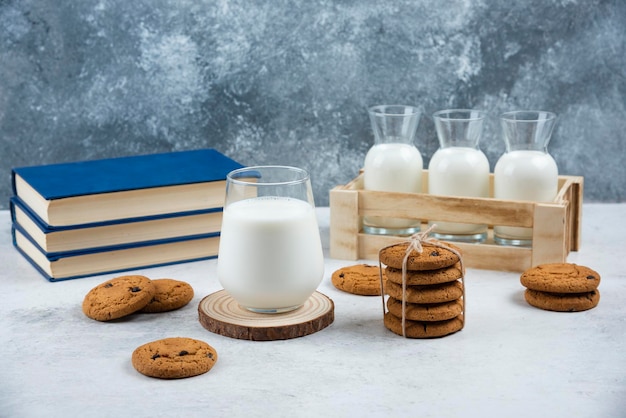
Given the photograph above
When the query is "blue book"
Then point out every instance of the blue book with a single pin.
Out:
(76, 264)
(103, 190)
(102, 235)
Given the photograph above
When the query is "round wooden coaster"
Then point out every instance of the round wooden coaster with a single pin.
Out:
(221, 314)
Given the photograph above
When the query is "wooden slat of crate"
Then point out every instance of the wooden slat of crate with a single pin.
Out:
(442, 208)
(556, 226)
(549, 239)
(344, 224)
(571, 193)
(482, 256)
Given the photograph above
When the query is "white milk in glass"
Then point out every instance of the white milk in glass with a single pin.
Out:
(392, 167)
(458, 171)
(524, 175)
(270, 253)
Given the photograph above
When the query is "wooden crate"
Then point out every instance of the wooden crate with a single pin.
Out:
(556, 225)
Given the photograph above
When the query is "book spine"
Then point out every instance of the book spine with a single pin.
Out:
(13, 187)
(28, 258)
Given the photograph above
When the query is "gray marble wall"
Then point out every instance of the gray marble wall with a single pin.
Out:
(289, 82)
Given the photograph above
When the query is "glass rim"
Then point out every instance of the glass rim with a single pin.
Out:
(481, 114)
(537, 116)
(384, 110)
(258, 168)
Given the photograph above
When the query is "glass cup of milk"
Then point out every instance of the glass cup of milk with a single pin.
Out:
(393, 164)
(270, 254)
(525, 171)
(459, 168)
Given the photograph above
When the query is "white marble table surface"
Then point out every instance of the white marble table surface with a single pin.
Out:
(510, 360)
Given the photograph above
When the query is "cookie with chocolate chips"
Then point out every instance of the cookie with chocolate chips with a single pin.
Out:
(562, 302)
(426, 311)
(423, 329)
(174, 358)
(360, 279)
(170, 294)
(434, 293)
(431, 258)
(118, 297)
(561, 278)
(425, 277)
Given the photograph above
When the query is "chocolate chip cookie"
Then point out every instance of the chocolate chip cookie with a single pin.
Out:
(174, 358)
(424, 277)
(118, 297)
(562, 302)
(361, 279)
(423, 329)
(170, 294)
(561, 278)
(431, 258)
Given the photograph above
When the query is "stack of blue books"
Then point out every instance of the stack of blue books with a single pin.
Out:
(85, 218)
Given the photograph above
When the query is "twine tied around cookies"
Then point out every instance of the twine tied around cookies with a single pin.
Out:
(415, 242)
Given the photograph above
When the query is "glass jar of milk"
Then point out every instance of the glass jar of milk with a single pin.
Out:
(393, 164)
(459, 168)
(525, 171)
(270, 254)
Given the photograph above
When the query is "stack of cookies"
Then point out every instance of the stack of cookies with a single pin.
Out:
(561, 287)
(433, 290)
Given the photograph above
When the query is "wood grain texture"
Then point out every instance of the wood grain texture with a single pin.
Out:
(221, 314)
